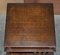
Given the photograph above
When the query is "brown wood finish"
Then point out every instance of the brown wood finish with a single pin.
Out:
(40, 53)
(19, 53)
(56, 4)
(30, 25)
(30, 28)
(14, 49)
(38, 1)
(30, 1)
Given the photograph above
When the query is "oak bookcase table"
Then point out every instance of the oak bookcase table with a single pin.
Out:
(30, 28)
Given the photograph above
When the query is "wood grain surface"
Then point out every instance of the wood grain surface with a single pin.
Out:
(40, 53)
(30, 25)
(56, 4)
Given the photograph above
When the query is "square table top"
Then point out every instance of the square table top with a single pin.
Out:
(30, 25)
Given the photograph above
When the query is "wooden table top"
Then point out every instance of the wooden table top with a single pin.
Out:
(30, 25)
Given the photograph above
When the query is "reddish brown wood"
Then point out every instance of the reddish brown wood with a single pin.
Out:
(19, 53)
(14, 49)
(40, 53)
(30, 25)
(56, 4)
(38, 1)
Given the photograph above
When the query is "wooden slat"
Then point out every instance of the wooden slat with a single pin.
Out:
(19, 53)
(28, 49)
(40, 53)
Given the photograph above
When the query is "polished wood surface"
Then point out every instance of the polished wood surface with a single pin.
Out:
(56, 4)
(30, 25)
